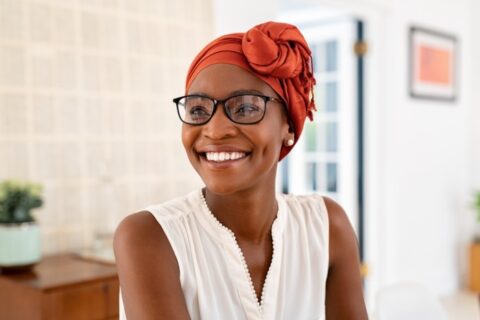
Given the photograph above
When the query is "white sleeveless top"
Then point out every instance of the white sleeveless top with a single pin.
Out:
(213, 273)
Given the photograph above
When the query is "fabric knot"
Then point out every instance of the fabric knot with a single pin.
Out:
(276, 49)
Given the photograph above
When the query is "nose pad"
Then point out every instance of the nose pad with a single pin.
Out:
(220, 125)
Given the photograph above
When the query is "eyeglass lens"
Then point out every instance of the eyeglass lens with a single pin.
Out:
(241, 109)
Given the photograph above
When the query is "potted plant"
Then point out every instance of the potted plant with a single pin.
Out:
(19, 233)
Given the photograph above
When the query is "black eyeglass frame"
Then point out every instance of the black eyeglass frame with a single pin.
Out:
(216, 102)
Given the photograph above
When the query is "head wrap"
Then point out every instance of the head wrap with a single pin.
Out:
(278, 54)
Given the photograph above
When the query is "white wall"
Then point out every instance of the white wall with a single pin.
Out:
(421, 156)
(427, 157)
(475, 110)
(237, 16)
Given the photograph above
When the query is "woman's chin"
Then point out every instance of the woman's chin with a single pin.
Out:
(221, 188)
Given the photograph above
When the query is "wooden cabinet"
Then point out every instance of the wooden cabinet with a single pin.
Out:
(61, 287)
(474, 274)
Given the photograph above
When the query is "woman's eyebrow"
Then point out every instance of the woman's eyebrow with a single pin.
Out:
(246, 91)
(241, 91)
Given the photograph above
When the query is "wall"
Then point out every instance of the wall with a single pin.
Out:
(236, 16)
(475, 111)
(85, 107)
(419, 153)
(427, 158)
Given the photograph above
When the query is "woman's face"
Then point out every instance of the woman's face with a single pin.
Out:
(256, 146)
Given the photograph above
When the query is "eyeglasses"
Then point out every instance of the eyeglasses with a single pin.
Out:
(242, 109)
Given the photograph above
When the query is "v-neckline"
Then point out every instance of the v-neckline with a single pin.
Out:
(239, 268)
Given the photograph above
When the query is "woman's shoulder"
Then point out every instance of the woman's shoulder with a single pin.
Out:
(317, 202)
(148, 268)
(138, 230)
(310, 205)
(146, 227)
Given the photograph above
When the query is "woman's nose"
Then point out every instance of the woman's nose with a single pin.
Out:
(219, 125)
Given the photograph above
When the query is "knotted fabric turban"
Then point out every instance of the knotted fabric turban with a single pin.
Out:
(278, 54)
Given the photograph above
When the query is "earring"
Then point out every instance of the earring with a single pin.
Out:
(289, 142)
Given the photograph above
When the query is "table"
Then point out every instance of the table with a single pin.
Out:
(61, 287)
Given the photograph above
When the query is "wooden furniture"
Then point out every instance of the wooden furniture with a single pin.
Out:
(61, 287)
(474, 274)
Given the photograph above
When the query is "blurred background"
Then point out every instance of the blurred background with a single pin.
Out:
(86, 111)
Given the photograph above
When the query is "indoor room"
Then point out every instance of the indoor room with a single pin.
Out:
(90, 134)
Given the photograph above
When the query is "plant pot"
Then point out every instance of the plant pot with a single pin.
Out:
(19, 245)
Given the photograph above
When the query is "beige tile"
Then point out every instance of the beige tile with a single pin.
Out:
(95, 159)
(115, 117)
(142, 161)
(135, 5)
(90, 29)
(71, 161)
(112, 74)
(40, 16)
(142, 195)
(109, 33)
(110, 4)
(91, 73)
(93, 110)
(67, 115)
(12, 66)
(90, 3)
(65, 70)
(12, 19)
(72, 212)
(135, 36)
(119, 160)
(47, 161)
(64, 26)
(13, 111)
(139, 117)
(43, 115)
(157, 78)
(139, 76)
(41, 72)
(15, 158)
(161, 114)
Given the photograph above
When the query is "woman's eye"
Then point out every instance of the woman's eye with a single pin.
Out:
(246, 109)
(197, 111)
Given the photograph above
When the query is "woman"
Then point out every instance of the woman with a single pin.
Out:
(235, 249)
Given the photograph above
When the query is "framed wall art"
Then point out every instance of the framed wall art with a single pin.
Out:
(433, 65)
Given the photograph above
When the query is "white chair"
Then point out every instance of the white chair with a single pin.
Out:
(408, 301)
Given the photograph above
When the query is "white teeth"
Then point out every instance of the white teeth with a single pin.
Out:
(224, 156)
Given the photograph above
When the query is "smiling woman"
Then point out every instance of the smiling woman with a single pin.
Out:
(235, 249)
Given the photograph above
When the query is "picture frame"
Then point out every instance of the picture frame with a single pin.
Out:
(433, 65)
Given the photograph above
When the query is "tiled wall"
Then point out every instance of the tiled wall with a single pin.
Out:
(85, 106)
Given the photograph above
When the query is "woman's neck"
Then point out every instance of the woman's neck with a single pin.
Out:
(249, 214)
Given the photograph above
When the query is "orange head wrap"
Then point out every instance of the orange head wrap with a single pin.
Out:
(278, 54)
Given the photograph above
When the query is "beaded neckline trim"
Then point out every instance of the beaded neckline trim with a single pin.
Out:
(242, 257)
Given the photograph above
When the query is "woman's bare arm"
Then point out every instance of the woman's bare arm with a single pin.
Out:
(148, 270)
(344, 286)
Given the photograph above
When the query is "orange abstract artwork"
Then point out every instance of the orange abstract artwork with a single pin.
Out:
(435, 65)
